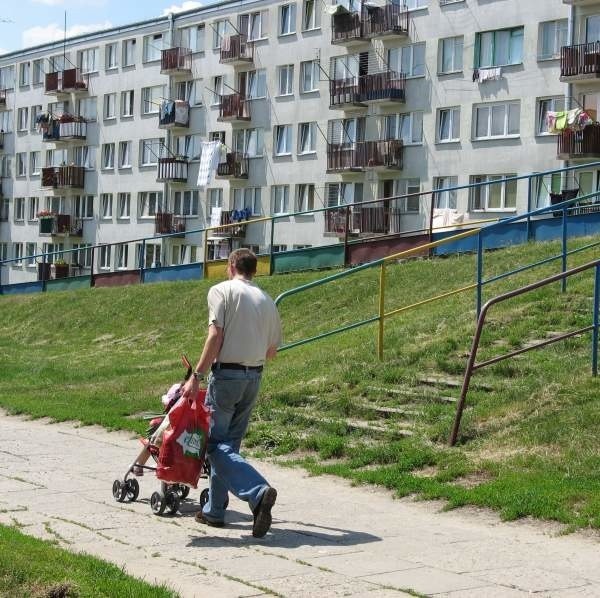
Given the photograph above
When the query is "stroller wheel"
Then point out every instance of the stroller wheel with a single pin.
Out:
(119, 490)
(172, 502)
(182, 491)
(133, 489)
(203, 497)
(158, 504)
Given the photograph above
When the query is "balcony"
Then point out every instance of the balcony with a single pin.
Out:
(174, 61)
(356, 93)
(1, 140)
(234, 108)
(390, 20)
(235, 166)
(60, 225)
(237, 50)
(580, 63)
(67, 81)
(174, 115)
(361, 155)
(64, 130)
(166, 223)
(172, 170)
(580, 145)
(368, 219)
(347, 28)
(63, 177)
(237, 231)
(2, 97)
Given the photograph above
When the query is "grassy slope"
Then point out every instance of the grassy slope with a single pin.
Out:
(528, 438)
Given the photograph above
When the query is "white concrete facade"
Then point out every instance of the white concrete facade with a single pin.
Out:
(489, 33)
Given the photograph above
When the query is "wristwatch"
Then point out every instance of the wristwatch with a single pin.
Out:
(199, 376)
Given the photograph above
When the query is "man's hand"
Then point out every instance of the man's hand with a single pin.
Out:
(190, 388)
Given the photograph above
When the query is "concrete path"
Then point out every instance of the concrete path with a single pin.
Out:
(327, 539)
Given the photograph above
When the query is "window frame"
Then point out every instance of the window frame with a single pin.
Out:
(452, 111)
(490, 106)
(455, 55)
(492, 178)
(494, 59)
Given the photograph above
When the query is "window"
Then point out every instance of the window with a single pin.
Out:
(248, 198)
(122, 256)
(283, 140)
(152, 257)
(110, 105)
(445, 199)
(125, 154)
(545, 105)
(152, 98)
(346, 131)
(153, 45)
(253, 25)
(496, 194)
(5, 166)
(217, 90)
(85, 156)
(215, 200)
(38, 71)
(188, 145)
(305, 197)
(108, 156)
(287, 19)
(550, 183)
(220, 31)
(123, 206)
(110, 56)
(21, 158)
(404, 195)
(18, 254)
(57, 63)
(128, 52)
(448, 125)
(83, 256)
(409, 60)
(281, 199)
(499, 48)
(35, 162)
(105, 257)
(33, 208)
(56, 157)
(88, 60)
(19, 213)
(497, 120)
(55, 204)
(286, 79)
(310, 15)
(309, 76)
(552, 36)
(189, 91)
(339, 194)
(30, 251)
(3, 251)
(7, 77)
(150, 202)
(52, 249)
(35, 112)
(407, 126)
(256, 84)
(150, 151)
(5, 121)
(185, 203)
(414, 4)
(307, 138)
(127, 103)
(24, 73)
(84, 206)
(248, 141)
(22, 119)
(450, 55)
(106, 206)
(87, 108)
(192, 38)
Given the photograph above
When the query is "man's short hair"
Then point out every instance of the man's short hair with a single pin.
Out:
(244, 261)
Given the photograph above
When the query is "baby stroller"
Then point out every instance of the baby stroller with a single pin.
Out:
(170, 495)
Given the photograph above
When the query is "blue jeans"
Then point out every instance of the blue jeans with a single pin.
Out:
(232, 395)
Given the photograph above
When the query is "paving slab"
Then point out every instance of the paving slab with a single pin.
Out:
(328, 538)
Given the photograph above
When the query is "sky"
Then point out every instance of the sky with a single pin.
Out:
(25, 23)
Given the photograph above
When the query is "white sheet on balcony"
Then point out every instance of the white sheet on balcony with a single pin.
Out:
(447, 217)
(210, 157)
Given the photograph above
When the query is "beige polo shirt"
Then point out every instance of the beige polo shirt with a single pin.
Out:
(249, 319)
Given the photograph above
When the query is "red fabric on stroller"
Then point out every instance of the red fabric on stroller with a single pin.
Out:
(183, 448)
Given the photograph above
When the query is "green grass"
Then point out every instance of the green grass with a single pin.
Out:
(528, 444)
(32, 568)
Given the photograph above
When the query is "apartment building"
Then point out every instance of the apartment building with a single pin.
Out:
(317, 105)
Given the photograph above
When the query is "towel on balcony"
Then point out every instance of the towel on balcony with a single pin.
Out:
(446, 217)
(182, 112)
(209, 161)
(166, 110)
(492, 74)
(226, 43)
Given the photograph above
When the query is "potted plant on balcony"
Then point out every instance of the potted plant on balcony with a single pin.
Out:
(46, 219)
(61, 268)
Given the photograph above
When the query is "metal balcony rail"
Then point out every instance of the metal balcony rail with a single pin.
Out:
(370, 218)
(60, 224)
(2, 97)
(168, 223)
(60, 177)
(177, 114)
(386, 85)
(582, 59)
(345, 27)
(236, 48)
(174, 169)
(231, 226)
(365, 154)
(472, 365)
(175, 59)
(67, 81)
(235, 166)
(579, 144)
(234, 106)
(381, 20)
(1, 139)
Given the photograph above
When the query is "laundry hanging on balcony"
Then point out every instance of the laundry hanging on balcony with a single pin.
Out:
(182, 111)
(489, 74)
(447, 217)
(209, 161)
(576, 120)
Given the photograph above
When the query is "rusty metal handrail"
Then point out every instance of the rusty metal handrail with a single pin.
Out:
(472, 365)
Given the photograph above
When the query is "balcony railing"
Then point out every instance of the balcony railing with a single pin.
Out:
(235, 166)
(60, 224)
(581, 61)
(236, 49)
(387, 86)
(2, 97)
(174, 114)
(379, 21)
(583, 144)
(234, 107)
(176, 60)
(238, 231)
(69, 130)
(173, 170)
(346, 27)
(67, 81)
(63, 177)
(372, 218)
(386, 154)
(166, 223)
(1, 140)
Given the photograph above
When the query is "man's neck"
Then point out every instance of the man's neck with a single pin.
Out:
(242, 277)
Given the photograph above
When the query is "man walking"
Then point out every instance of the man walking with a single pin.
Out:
(244, 330)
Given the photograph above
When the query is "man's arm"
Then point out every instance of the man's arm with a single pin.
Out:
(272, 352)
(212, 346)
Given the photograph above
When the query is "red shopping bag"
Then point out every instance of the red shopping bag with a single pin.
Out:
(183, 447)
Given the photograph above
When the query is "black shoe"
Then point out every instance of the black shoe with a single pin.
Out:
(200, 518)
(262, 513)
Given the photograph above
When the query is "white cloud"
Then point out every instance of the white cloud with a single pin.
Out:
(54, 32)
(185, 6)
